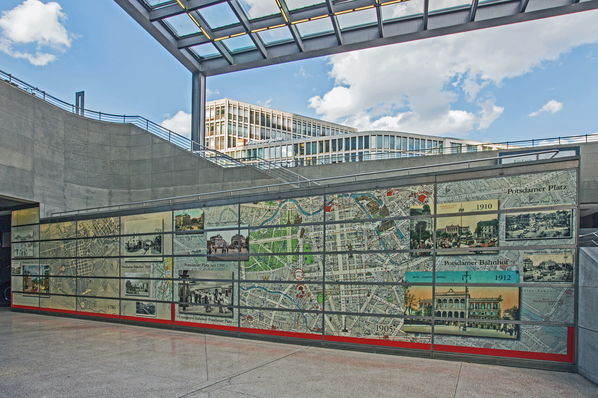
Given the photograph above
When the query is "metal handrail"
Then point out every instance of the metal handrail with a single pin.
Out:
(230, 192)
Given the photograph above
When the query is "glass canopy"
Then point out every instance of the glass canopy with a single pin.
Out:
(220, 36)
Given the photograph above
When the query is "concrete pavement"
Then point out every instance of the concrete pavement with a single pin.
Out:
(45, 356)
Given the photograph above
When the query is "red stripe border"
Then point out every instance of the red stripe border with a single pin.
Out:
(58, 311)
(379, 342)
(100, 315)
(24, 307)
(281, 333)
(206, 326)
(143, 319)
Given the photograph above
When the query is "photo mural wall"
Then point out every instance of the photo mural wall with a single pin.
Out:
(483, 266)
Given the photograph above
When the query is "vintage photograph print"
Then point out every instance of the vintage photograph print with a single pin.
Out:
(137, 284)
(229, 245)
(555, 224)
(189, 220)
(467, 230)
(145, 309)
(548, 268)
(206, 293)
(470, 308)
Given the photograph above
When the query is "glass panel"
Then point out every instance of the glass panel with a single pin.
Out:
(436, 5)
(221, 216)
(382, 235)
(205, 50)
(298, 267)
(357, 18)
(281, 295)
(60, 248)
(296, 4)
(25, 234)
(283, 212)
(155, 3)
(97, 305)
(93, 287)
(548, 304)
(378, 328)
(293, 322)
(62, 267)
(25, 216)
(182, 25)
(97, 267)
(59, 285)
(315, 27)
(145, 309)
(59, 302)
(190, 243)
(276, 35)
(259, 8)
(373, 299)
(239, 43)
(97, 247)
(403, 9)
(98, 227)
(380, 203)
(542, 189)
(373, 267)
(63, 230)
(292, 239)
(219, 15)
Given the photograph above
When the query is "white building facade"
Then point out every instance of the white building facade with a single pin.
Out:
(249, 132)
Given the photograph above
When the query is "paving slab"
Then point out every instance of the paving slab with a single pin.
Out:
(46, 356)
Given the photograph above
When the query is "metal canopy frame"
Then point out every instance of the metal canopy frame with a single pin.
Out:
(475, 14)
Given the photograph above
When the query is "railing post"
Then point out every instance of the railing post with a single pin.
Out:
(124, 118)
(532, 142)
(146, 124)
(100, 116)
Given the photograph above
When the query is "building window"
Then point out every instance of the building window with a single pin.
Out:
(360, 142)
(416, 145)
(321, 147)
(333, 146)
(386, 142)
(327, 144)
(302, 148)
(340, 144)
(308, 149)
(456, 147)
(379, 142)
(347, 145)
(366, 142)
(353, 143)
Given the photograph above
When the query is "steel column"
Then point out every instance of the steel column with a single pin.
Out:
(198, 110)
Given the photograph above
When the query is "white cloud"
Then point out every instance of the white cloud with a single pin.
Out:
(179, 123)
(33, 22)
(413, 86)
(210, 92)
(551, 106)
(265, 104)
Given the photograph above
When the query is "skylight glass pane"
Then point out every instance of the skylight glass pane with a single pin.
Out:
(219, 15)
(155, 3)
(357, 18)
(436, 5)
(239, 43)
(403, 9)
(259, 8)
(276, 35)
(205, 50)
(296, 4)
(315, 27)
(182, 25)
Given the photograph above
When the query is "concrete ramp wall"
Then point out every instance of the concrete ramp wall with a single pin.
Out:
(68, 162)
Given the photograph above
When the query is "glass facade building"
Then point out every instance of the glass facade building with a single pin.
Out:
(248, 132)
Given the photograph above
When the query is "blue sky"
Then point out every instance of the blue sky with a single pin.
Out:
(523, 81)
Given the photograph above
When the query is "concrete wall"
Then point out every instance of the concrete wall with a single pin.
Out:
(68, 162)
(588, 320)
